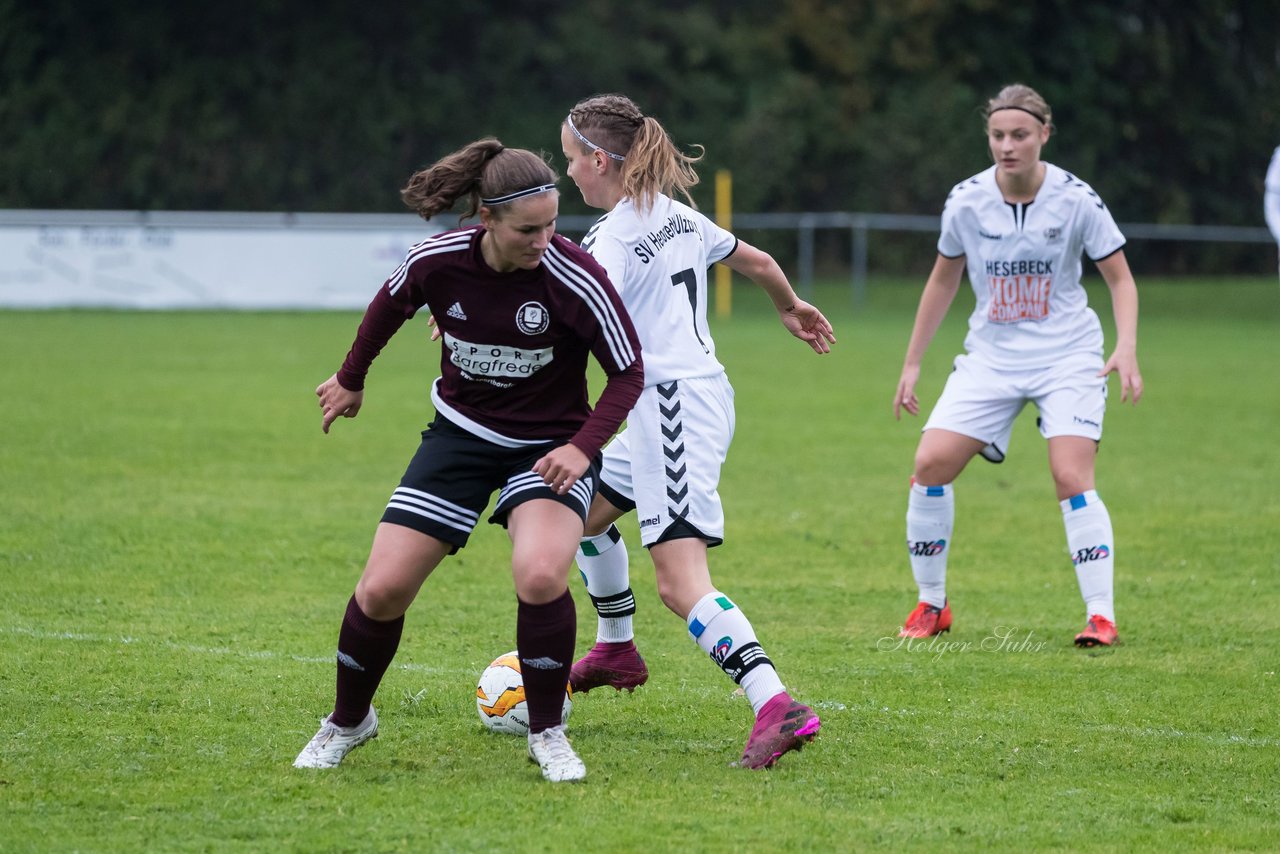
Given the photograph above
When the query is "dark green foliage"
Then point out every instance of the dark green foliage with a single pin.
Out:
(1169, 109)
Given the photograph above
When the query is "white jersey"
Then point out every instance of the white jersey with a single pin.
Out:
(657, 260)
(1271, 198)
(1024, 265)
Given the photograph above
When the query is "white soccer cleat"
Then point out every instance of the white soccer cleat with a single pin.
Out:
(553, 753)
(328, 747)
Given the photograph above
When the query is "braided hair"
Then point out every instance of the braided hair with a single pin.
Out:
(649, 160)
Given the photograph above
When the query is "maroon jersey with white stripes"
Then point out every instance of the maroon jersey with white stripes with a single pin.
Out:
(514, 357)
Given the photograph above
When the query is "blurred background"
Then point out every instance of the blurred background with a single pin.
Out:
(1170, 109)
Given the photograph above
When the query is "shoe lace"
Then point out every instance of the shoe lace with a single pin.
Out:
(923, 612)
(556, 746)
(321, 740)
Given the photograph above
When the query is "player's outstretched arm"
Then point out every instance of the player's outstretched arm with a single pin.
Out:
(801, 319)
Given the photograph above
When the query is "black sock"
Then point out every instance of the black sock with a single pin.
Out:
(365, 649)
(545, 636)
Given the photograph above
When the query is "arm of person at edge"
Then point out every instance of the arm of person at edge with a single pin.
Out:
(1271, 196)
(1124, 305)
(939, 292)
(801, 319)
(343, 393)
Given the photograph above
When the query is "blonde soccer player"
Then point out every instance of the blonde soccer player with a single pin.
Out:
(1019, 228)
(666, 464)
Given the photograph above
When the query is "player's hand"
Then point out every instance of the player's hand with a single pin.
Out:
(905, 397)
(435, 330)
(561, 468)
(1125, 366)
(808, 324)
(336, 400)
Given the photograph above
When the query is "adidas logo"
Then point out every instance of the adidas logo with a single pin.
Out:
(456, 311)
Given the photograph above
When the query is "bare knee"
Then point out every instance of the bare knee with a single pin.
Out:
(669, 593)
(540, 580)
(681, 574)
(933, 469)
(381, 598)
(1072, 480)
(1071, 462)
(942, 455)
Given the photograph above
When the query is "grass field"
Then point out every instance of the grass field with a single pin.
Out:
(178, 540)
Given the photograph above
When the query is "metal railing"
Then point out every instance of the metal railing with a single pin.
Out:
(859, 226)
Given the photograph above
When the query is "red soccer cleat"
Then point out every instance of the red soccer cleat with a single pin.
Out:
(926, 621)
(1099, 632)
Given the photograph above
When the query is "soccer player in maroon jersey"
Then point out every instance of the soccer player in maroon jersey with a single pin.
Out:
(519, 310)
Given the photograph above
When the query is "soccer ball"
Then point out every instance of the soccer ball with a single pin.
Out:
(500, 697)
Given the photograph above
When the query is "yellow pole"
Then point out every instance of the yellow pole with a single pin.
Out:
(724, 218)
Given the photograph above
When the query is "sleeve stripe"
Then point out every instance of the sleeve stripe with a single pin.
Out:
(431, 246)
(592, 293)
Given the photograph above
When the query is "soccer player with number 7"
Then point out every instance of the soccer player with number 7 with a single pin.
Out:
(666, 463)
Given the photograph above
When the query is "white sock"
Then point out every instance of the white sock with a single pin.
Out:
(723, 632)
(602, 561)
(931, 514)
(1092, 547)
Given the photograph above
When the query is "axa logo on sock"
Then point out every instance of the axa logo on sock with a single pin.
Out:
(926, 548)
(721, 650)
(1090, 553)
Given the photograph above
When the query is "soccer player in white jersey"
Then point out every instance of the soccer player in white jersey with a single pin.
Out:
(666, 463)
(1271, 196)
(1020, 228)
(520, 310)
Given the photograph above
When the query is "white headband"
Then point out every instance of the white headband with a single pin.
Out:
(518, 194)
(588, 143)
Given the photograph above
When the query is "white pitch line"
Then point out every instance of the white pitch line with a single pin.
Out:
(267, 655)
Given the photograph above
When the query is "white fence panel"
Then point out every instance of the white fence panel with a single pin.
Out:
(193, 260)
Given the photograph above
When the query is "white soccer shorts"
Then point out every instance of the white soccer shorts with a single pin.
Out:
(982, 402)
(666, 462)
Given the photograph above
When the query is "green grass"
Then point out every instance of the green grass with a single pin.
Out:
(178, 539)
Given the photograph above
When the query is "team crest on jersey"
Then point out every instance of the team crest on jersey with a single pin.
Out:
(532, 318)
(1053, 235)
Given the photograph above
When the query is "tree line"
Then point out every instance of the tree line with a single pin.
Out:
(1169, 108)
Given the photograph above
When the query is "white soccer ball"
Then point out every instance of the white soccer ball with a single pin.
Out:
(500, 697)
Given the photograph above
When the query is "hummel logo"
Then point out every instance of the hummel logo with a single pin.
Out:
(456, 311)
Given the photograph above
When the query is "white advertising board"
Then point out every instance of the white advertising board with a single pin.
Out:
(250, 261)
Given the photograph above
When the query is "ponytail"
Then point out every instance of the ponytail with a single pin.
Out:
(484, 171)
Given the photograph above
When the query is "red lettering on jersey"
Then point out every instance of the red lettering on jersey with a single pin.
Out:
(1018, 298)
